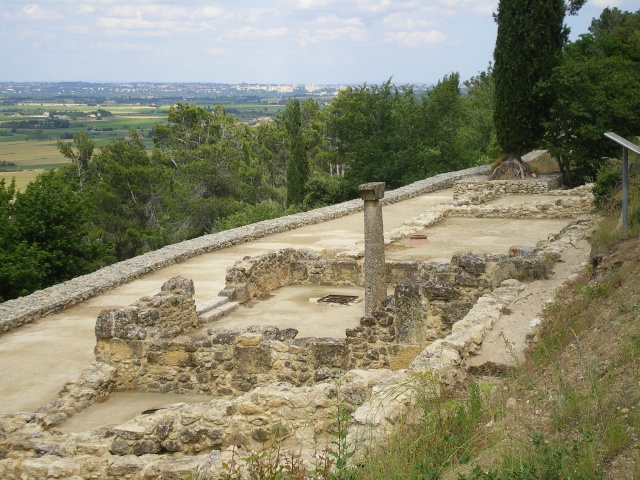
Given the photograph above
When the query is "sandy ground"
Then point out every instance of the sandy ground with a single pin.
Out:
(38, 359)
(505, 344)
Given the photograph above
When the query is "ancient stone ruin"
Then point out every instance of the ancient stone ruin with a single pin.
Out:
(265, 383)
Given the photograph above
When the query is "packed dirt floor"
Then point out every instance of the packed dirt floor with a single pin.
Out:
(37, 359)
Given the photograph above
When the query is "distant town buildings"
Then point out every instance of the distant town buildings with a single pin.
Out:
(150, 92)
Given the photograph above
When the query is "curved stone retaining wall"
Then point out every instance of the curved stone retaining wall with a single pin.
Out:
(14, 313)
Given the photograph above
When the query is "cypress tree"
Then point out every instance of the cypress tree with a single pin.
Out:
(531, 34)
(298, 165)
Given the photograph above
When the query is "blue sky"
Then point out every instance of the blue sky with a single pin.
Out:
(268, 41)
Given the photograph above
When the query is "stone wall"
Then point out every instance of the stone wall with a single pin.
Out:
(154, 349)
(179, 440)
(14, 313)
(531, 186)
(559, 207)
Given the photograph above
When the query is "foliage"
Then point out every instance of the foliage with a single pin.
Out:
(478, 132)
(44, 236)
(609, 177)
(529, 44)
(298, 165)
(373, 128)
(547, 461)
(596, 89)
(248, 214)
(385, 133)
(322, 190)
(437, 433)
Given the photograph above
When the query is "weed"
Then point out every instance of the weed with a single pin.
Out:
(339, 448)
(441, 435)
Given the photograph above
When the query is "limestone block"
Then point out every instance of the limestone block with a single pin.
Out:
(118, 324)
(120, 350)
(328, 352)
(401, 356)
(413, 312)
(179, 285)
(473, 264)
(252, 359)
(178, 358)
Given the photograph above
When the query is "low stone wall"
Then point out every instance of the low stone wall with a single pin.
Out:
(530, 186)
(153, 349)
(258, 276)
(568, 206)
(14, 313)
(180, 441)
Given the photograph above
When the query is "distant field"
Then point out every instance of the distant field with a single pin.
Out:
(32, 158)
(31, 154)
(22, 178)
(32, 149)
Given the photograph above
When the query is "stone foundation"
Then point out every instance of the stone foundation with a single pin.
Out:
(152, 346)
(17, 312)
(269, 385)
(179, 440)
(531, 186)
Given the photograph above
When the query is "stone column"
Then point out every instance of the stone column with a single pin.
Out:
(375, 285)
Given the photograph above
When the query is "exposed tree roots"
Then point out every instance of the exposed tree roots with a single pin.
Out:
(511, 168)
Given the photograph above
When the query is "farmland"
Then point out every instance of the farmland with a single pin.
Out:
(29, 130)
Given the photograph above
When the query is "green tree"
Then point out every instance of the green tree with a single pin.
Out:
(478, 129)
(125, 196)
(595, 90)
(298, 164)
(531, 34)
(45, 236)
(80, 156)
(442, 128)
(377, 135)
(213, 165)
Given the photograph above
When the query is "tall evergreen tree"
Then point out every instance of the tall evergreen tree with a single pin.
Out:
(531, 34)
(298, 166)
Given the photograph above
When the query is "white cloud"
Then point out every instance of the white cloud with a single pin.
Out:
(475, 6)
(209, 12)
(304, 4)
(252, 33)
(33, 12)
(351, 33)
(485, 8)
(415, 38)
(332, 20)
(378, 6)
(605, 3)
(218, 52)
(85, 9)
(408, 21)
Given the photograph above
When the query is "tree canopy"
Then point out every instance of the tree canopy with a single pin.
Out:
(596, 89)
(531, 34)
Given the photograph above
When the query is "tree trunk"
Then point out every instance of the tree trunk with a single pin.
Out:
(511, 168)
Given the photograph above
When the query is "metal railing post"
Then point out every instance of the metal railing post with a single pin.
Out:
(625, 191)
(626, 146)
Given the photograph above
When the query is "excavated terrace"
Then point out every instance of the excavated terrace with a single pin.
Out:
(38, 358)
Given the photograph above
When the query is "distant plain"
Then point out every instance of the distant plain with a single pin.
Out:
(34, 150)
